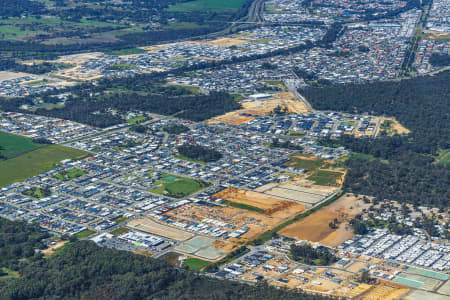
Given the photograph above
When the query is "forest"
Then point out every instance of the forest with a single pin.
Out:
(82, 270)
(401, 168)
(198, 152)
(18, 241)
(175, 128)
(439, 60)
(306, 254)
(96, 112)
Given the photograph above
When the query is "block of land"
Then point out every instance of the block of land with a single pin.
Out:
(316, 227)
(150, 226)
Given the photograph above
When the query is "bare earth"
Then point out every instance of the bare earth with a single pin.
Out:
(151, 226)
(263, 107)
(315, 227)
(272, 206)
(51, 249)
(397, 127)
(223, 42)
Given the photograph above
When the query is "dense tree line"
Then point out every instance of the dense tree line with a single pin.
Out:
(404, 168)
(285, 145)
(97, 112)
(421, 104)
(408, 178)
(85, 271)
(16, 8)
(199, 152)
(312, 256)
(440, 60)
(18, 241)
(175, 128)
(2, 157)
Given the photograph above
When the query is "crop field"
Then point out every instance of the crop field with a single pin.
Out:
(206, 5)
(35, 162)
(13, 145)
(150, 226)
(271, 206)
(316, 227)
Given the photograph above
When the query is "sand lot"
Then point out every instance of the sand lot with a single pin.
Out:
(53, 248)
(259, 108)
(272, 206)
(6, 75)
(151, 226)
(396, 127)
(315, 227)
(385, 291)
(223, 42)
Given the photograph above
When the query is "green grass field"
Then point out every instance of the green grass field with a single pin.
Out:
(195, 264)
(85, 233)
(177, 187)
(70, 174)
(190, 159)
(13, 145)
(126, 51)
(207, 5)
(9, 273)
(119, 231)
(136, 120)
(35, 162)
(307, 164)
(325, 177)
(444, 157)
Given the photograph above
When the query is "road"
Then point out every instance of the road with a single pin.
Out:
(293, 90)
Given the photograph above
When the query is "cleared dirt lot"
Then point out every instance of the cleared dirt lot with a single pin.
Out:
(385, 291)
(272, 206)
(150, 226)
(315, 227)
(53, 248)
(260, 108)
(223, 42)
(396, 127)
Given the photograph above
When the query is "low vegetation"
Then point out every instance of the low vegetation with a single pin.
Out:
(200, 153)
(195, 264)
(35, 162)
(82, 270)
(401, 168)
(70, 174)
(306, 254)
